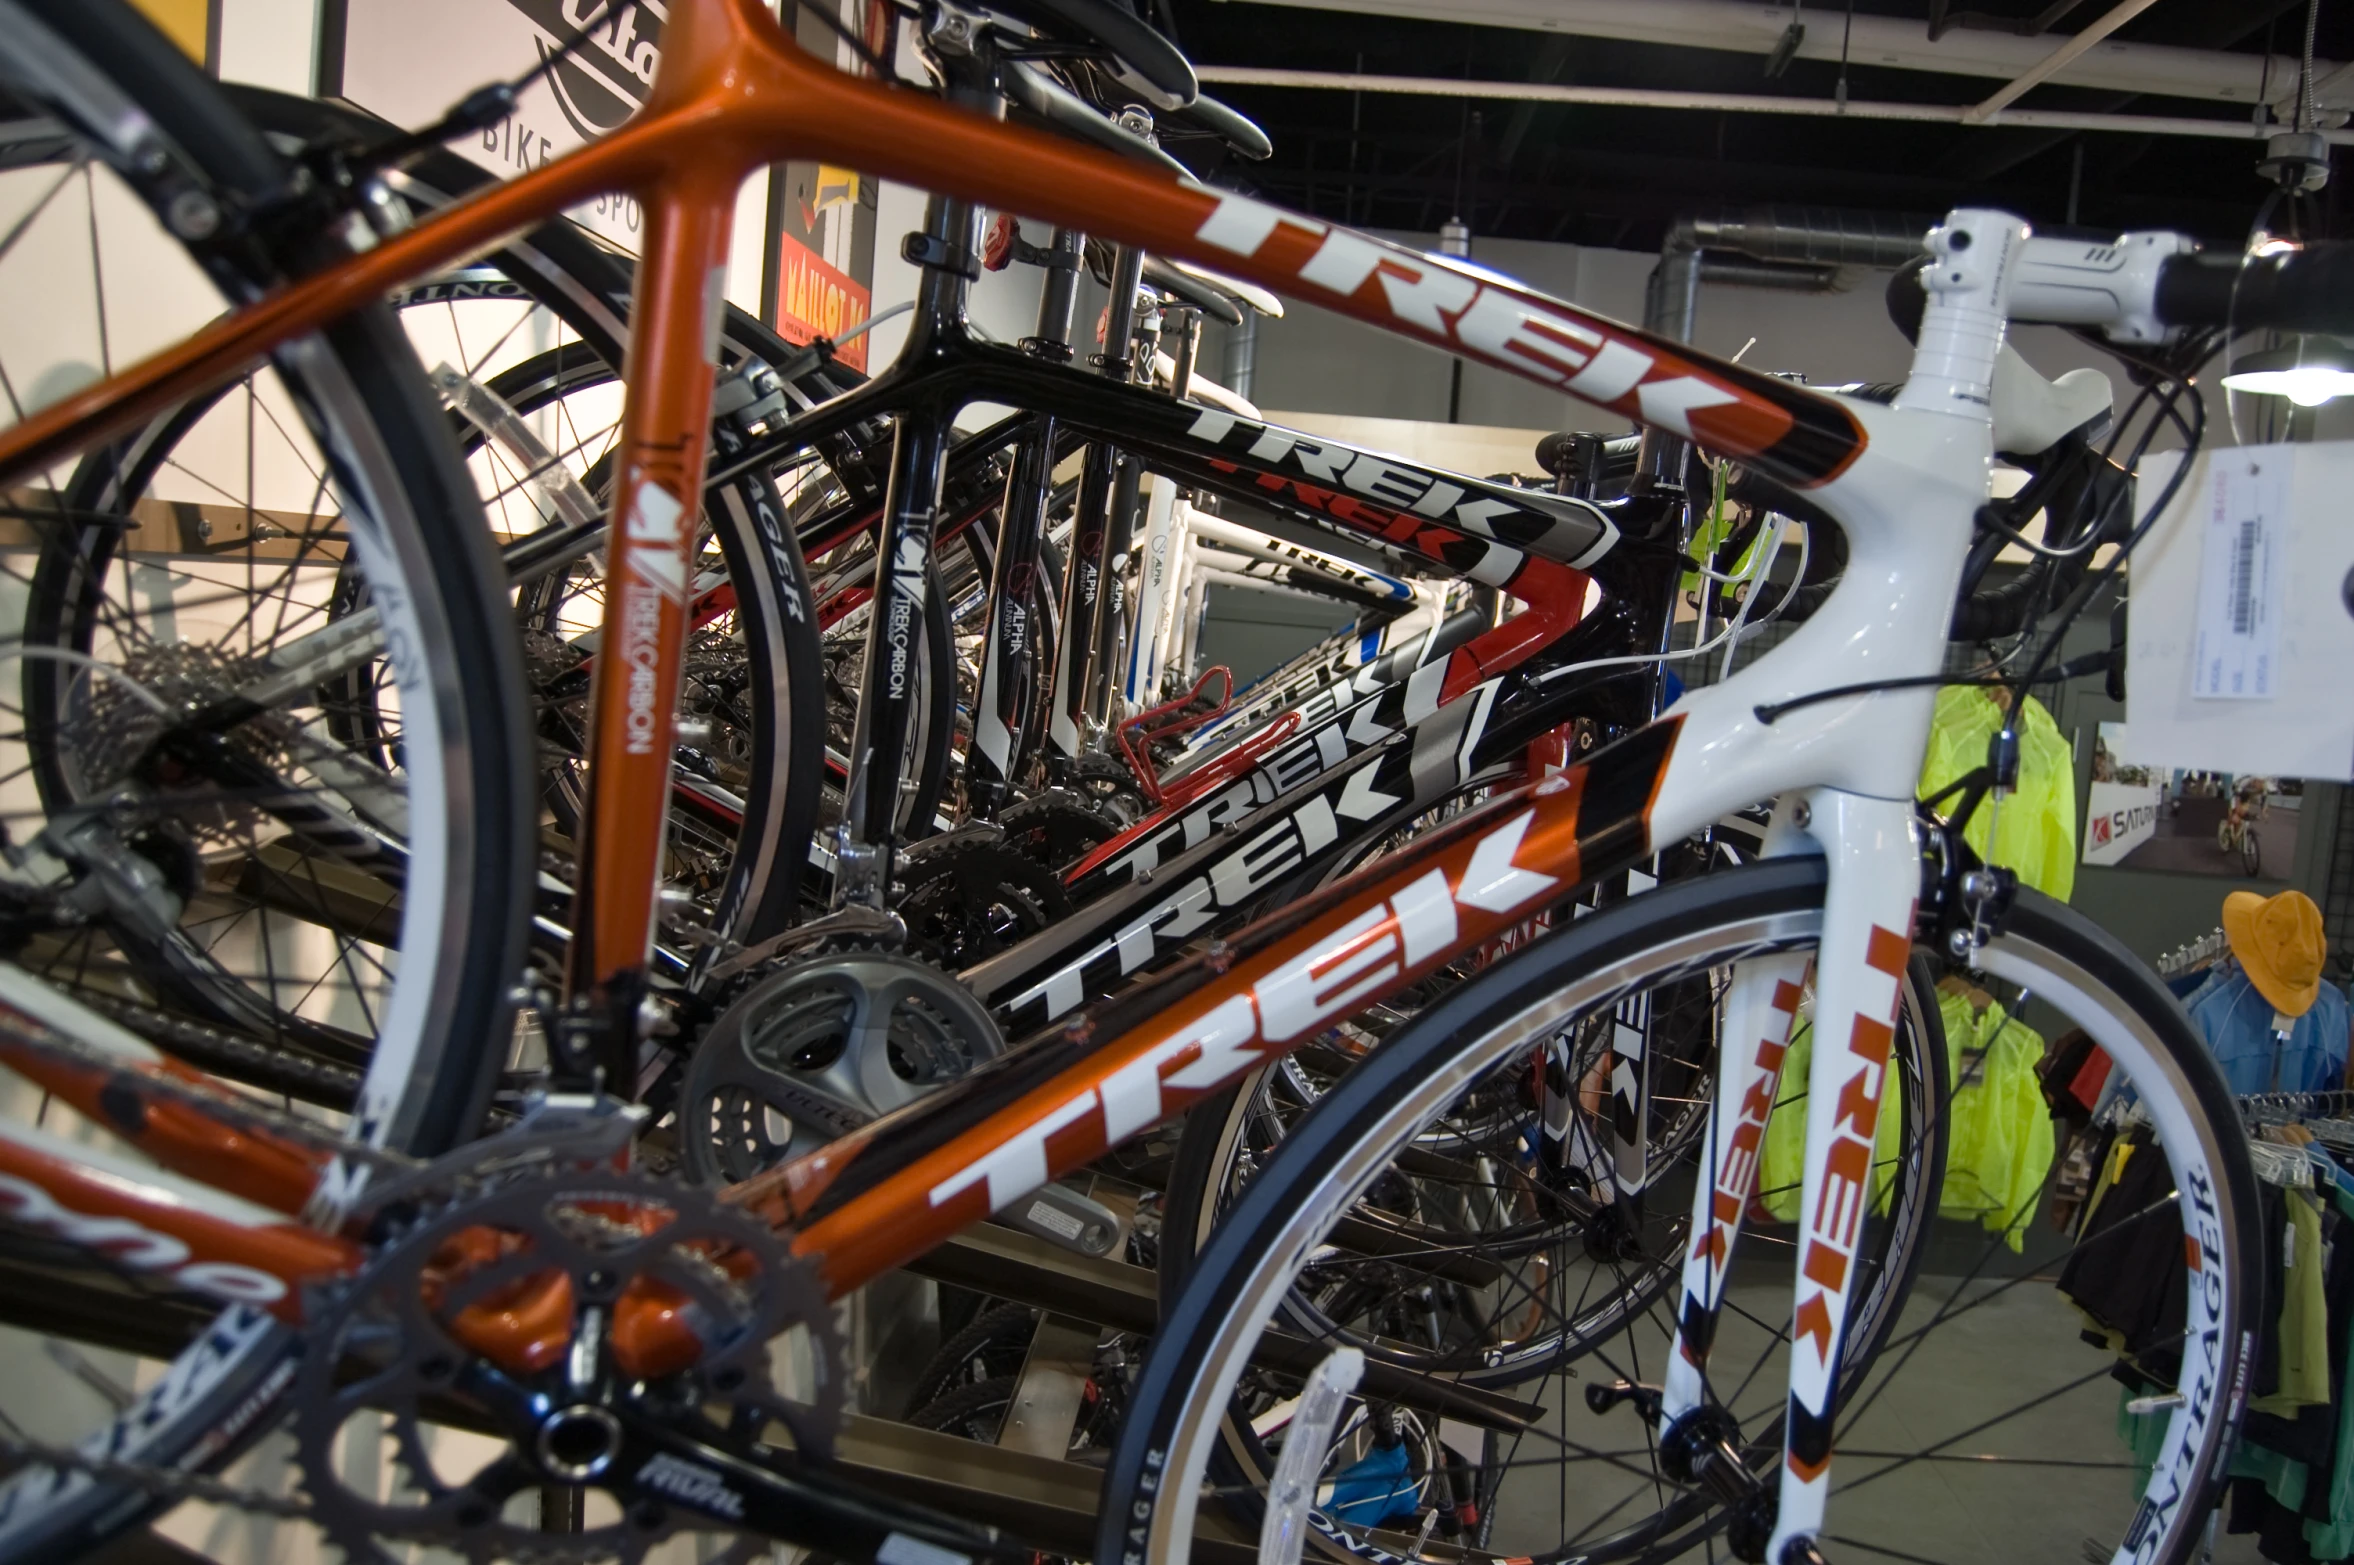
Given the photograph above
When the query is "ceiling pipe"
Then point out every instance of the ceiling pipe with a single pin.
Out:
(1742, 103)
(1766, 246)
(1899, 43)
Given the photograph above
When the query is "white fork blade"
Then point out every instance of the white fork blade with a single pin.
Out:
(1305, 1444)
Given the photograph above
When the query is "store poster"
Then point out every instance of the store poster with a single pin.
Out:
(824, 217)
(409, 60)
(2233, 825)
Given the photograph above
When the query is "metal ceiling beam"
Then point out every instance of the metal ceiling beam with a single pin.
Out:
(1745, 27)
(1738, 103)
(2057, 61)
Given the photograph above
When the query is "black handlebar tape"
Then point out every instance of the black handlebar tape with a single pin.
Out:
(1123, 35)
(1229, 125)
(2308, 290)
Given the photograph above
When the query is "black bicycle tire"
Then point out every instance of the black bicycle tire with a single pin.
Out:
(1142, 1474)
(219, 1393)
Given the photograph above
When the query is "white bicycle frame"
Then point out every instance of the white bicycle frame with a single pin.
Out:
(1842, 772)
(1182, 552)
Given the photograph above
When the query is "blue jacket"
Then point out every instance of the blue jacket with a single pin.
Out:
(2237, 1024)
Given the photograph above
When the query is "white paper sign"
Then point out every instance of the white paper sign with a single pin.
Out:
(2291, 645)
(2246, 505)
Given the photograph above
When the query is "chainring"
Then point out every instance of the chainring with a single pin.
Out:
(1057, 828)
(970, 895)
(818, 1047)
(567, 1261)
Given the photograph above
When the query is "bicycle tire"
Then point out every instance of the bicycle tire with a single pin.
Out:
(588, 287)
(93, 67)
(1155, 1476)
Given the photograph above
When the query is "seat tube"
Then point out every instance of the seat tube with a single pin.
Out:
(892, 683)
(1084, 584)
(1010, 683)
(679, 307)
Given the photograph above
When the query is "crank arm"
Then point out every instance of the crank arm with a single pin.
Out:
(778, 1498)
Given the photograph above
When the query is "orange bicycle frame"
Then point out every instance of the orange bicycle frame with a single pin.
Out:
(735, 93)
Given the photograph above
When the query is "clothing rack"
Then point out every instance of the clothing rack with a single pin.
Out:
(2205, 951)
(2281, 1108)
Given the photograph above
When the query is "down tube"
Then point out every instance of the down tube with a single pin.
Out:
(885, 1194)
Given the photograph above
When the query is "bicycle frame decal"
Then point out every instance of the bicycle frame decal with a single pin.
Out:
(1852, 1085)
(893, 1189)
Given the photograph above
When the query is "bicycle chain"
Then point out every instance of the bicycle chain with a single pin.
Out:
(230, 1054)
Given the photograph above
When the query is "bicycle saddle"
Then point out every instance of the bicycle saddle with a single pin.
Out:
(1140, 57)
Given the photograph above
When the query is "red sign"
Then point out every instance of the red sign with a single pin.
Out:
(814, 300)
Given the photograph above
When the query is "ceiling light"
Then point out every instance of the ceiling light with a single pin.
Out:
(2308, 374)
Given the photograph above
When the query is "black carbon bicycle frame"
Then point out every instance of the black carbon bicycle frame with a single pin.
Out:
(1373, 755)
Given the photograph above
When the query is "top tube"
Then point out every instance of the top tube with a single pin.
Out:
(735, 92)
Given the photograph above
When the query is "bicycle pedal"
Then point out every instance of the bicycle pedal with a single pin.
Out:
(1602, 1397)
(1065, 1218)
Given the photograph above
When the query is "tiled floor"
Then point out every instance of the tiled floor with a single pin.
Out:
(2033, 1487)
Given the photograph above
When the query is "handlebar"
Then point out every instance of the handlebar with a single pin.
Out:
(2140, 287)
(2307, 290)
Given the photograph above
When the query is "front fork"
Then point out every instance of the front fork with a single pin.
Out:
(1868, 909)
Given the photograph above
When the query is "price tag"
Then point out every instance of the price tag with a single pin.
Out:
(2240, 598)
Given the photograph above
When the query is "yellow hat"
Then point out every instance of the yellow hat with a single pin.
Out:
(2278, 940)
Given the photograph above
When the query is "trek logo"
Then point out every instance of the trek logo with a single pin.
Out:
(907, 599)
(1333, 977)
(1570, 532)
(136, 1246)
(691, 1483)
(1736, 1174)
(654, 572)
(1834, 1225)
(1487, 322)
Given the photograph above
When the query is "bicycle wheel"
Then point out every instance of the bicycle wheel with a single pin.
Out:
(142, 149)
(1918, 1476)
(538, 330)
(2251, 852)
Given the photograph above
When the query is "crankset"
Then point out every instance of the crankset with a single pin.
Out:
(817, 1047)
(632, 1352)
(1057, 827)
(822, 1045)
(969, 894)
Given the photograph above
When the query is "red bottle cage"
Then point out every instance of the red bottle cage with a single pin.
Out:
(1137, 734)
